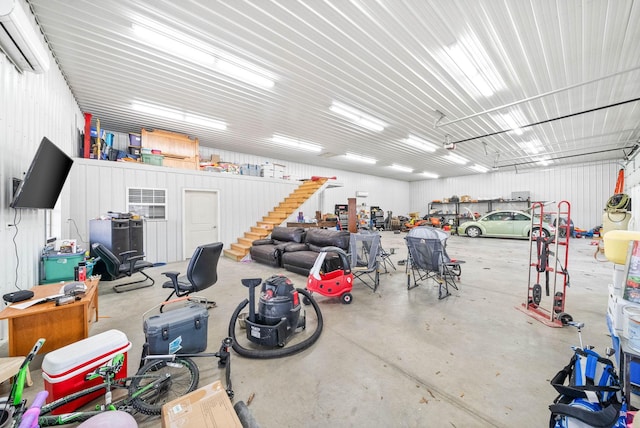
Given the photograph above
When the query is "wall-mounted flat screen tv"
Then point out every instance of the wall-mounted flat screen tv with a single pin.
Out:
(43, 182)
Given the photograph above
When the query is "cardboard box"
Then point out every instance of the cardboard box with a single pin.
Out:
(208, 406)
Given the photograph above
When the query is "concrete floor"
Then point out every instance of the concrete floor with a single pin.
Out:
(398, 357)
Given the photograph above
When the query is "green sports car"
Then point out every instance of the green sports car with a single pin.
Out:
(505, 224)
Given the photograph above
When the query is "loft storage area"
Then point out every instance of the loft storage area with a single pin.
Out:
(171, 150)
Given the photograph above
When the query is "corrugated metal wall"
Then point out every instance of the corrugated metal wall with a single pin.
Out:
(587, 187)
(32, 106)
(100, 186)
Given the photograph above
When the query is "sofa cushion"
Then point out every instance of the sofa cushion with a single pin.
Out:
(319, 238)
(288, 234)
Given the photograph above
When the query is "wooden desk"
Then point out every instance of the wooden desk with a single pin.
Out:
(59, 325)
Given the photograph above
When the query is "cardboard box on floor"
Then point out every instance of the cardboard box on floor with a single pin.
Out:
(208, 406)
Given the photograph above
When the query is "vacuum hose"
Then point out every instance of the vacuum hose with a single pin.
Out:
(279, 352)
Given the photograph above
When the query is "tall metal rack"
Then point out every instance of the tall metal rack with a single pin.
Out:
(549, 265)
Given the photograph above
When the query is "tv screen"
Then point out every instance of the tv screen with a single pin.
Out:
(44, 179)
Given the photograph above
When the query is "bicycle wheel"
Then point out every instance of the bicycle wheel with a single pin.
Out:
(174, 379)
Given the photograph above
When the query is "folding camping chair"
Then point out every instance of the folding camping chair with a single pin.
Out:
(428, 259)
(364, 251)
(384, 257)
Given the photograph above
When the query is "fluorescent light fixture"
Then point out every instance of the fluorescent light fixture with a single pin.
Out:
(455, 159)
(420, 143)
(357, 117)
(479, 168)
(295, 143)
(513, 120)
(544, 162)
(178, 115)
(242, 72)
(430, 174)
(189, 48)
(175, 42)
(531, 147)
(401, 168)
(471, 65)
(360, 158)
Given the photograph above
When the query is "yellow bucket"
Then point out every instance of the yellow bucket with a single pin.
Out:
(616, 244)
(618, 220)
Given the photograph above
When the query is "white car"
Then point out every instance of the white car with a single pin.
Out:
(505, 224)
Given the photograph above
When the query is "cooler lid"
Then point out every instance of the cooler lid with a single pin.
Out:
(79, 353)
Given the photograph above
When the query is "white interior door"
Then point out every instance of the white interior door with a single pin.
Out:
(200, 219)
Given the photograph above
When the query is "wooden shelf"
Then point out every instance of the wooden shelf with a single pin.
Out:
(179, 150)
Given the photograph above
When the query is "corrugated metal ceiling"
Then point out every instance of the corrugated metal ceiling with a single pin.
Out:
(419, 66)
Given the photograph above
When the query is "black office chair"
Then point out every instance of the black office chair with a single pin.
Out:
(115, 269)
(202, 272)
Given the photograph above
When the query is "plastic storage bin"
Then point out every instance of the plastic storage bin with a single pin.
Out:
(58, 267)
(64, 369)
(152, 159)
(176, 331)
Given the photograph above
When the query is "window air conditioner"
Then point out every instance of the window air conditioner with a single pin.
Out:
(20, 39)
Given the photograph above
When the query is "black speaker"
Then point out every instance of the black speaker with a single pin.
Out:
(113, 234)
(136, 236)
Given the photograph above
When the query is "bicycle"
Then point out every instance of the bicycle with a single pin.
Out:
(154, 384)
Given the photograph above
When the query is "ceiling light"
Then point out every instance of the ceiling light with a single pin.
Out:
(178, 115)
(401, 168)
(544, 162)
(420, 143)
(175, 42)
(471, 65)
(357, 117)
(479, 168)
(430, 174)
(512, 121)
(189, 48)
(531, 147)
(360, 158)
(295, 143)
(455, 158)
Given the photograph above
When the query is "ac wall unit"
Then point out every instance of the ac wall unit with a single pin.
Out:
(360, 194)
(20, 39)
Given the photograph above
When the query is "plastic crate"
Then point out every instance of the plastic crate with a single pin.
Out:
(135, 140)
(59, 267)
(152, 159)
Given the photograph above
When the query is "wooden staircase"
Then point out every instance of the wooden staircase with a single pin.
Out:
(263, 228)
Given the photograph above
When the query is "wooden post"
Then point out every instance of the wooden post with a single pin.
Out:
(353, 215)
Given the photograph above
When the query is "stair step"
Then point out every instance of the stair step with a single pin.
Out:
(233, 255)
(274, 220)
(241, 248)
(245, 241)
(289, 205)
(294, 199)
(260, 230)
(254, 235)
(278, 214)
(266, 225)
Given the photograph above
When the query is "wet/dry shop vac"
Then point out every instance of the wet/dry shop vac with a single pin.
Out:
(279, 327)
(548, 257)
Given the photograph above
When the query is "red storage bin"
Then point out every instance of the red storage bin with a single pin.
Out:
(64, 369)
